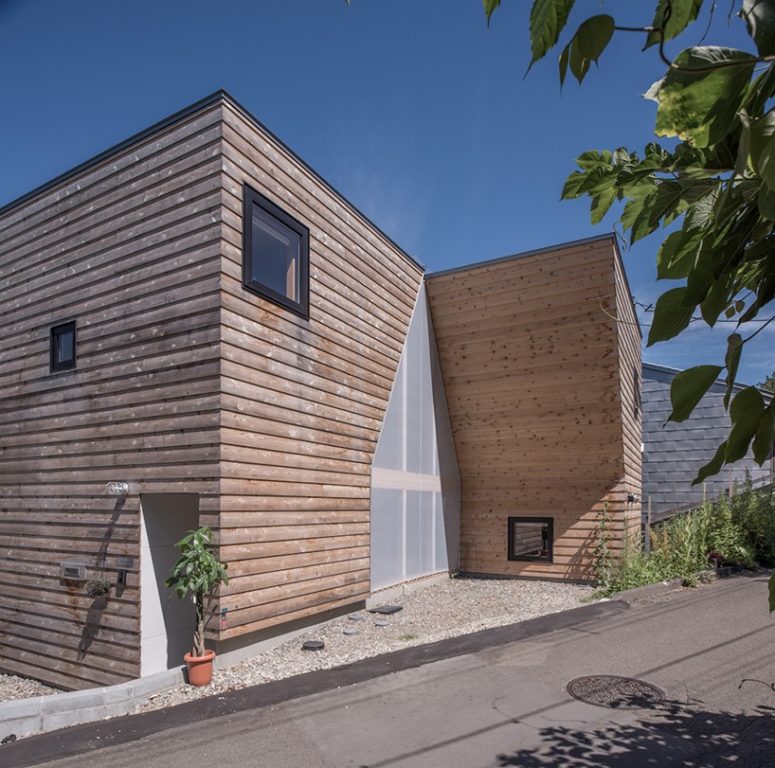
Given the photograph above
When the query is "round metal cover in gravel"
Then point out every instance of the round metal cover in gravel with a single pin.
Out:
(313, 645)
(615, 692)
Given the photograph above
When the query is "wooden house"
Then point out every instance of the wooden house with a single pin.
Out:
(540, 360)
(198, 329)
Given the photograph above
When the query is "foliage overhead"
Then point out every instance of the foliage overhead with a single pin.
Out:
(714, 181)
(768, 383)
(197, 573)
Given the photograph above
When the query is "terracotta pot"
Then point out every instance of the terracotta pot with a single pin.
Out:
(200, 668)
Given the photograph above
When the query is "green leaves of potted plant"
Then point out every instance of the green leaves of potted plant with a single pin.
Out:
(198, 573)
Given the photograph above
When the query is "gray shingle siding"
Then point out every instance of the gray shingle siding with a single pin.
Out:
(673, 453)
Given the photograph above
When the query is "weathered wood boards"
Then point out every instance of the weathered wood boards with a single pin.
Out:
(130, 250)
(186, 382)
(538, 378)
(302, 401)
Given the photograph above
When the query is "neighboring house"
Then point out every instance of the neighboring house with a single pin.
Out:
(674, 452)
(197, 329)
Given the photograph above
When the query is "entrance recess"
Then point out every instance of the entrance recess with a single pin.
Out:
(166, 622)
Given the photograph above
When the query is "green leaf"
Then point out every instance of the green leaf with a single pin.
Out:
(732, 361)
(765, 202)
(547, 20)
(601, 203)
(701, 105)
(759, 16)
(689, 387)
(682, 13)
(636, 214)
(676, 254)
(589, 42)
(762, 133)
(710, 290)
(564, 64)
(572, 187)
(745, 412)
(713, 466)
(771, 584)
(489, 7)
(765, 434)
(671, 316)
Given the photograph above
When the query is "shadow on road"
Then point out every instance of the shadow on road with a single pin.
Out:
(673, 734)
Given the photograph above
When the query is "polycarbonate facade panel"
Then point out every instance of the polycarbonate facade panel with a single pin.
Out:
(415, 507)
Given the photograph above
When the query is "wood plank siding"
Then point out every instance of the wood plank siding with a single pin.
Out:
(538, 379)
(130, 249)
(302, 400)
(186, 382)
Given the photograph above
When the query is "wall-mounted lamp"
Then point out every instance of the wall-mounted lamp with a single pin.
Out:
(117, 488)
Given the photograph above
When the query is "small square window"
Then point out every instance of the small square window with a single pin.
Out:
(63, 346)
(276, 253)
(531, 538)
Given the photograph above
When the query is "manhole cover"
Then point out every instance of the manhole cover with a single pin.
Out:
(615, 692)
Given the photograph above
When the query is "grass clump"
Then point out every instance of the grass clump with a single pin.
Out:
(740, 531)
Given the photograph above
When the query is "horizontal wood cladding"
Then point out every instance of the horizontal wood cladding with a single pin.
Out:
(130, 249)
(531, 364)
(630, 383)
(302, 400)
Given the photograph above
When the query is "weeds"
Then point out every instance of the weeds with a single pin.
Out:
(740, 531)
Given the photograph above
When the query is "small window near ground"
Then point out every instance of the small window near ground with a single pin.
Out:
(63, 346)
(530, 538)
(276, 254)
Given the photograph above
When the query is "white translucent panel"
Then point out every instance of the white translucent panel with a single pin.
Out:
(387, 514)
(415, 455)
(440, 556)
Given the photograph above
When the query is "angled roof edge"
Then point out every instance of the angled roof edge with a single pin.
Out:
(523, 254)
(596, 238)
(216, 97)
(666, 369)
(620, 260)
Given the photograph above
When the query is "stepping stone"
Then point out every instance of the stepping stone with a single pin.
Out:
(386, 610)
(313, 645)
(351, 631)
(356, 617)
(381, 623)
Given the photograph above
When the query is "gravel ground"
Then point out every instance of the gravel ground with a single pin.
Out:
(12, 687)
(440, 610)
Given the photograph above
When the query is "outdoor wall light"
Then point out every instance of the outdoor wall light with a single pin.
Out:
(117, 488)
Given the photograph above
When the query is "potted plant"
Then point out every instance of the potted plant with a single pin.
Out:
(198, 573)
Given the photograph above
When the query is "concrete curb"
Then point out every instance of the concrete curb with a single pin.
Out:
(96, 735)
(40, 714)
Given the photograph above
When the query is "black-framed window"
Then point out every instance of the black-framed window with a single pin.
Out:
(276, 253)
(62, 346)
(531, 538)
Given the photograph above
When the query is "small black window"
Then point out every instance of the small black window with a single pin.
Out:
(276, 253)
(63, 346)
(531, 538)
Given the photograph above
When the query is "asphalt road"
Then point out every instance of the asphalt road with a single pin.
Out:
(508, 706)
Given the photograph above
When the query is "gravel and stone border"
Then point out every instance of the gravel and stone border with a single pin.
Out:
(13, 688)
(438, 611)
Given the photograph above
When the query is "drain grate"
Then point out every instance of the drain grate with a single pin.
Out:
(615, 692)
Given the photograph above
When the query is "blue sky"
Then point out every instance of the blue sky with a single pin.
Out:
(413, 109)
